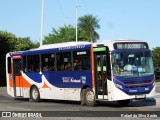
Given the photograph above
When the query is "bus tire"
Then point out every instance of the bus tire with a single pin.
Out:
(82, 97)
(123, 102)
(89, 97)
(35, 95)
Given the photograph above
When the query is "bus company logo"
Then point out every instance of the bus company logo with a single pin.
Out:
(83, 78)
(74, 80)
(65, 79)
(132, 91)
(70, 79)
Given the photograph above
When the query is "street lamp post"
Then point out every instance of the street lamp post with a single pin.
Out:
(76, 24)
(42, 24)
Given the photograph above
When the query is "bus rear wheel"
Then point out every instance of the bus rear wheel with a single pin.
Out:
(35, 96)
(89, 97)
(124, 102)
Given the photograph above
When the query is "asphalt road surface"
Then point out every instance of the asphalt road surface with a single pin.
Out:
(66, 109)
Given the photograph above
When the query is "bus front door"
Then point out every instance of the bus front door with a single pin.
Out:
(100, 75)
(17, 78)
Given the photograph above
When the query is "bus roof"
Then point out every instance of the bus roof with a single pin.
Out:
(120, 40)
(51, 46)
(108, 43)
(65, 44)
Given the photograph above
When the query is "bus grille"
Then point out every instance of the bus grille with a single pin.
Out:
(138, 82)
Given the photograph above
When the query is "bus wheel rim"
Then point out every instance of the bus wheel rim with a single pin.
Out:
(35, 94)
(90, 96)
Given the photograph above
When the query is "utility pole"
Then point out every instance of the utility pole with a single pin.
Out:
(76, 23)
(42, 24)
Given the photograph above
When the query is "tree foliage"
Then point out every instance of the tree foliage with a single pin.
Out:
(89, 24)
(6, 44)
(87, 27)
(25, 44)
(9, 42)
(64, 34)
(156, 60)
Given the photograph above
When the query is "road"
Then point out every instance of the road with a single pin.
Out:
(7, 103)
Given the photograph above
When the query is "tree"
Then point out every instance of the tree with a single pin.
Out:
(25, 44)
(89, 24)
(156, 60)
(9, 42)
(63, 34)
(87, 27)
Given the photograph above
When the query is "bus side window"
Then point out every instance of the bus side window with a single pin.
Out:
(67, 61)
(48, 62)
(81, 60)
(33, 63)
(60, 64)
(52, 66)
(9, 65)
(45, 62)
(25, 64)
(64, 62)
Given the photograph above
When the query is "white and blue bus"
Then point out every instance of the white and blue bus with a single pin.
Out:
(120, 70)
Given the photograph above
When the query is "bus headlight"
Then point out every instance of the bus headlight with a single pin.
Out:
(153, 84)
(119, 86)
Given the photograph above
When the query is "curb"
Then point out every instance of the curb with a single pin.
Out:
(158, 83)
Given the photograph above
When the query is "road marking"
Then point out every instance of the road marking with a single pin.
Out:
(18, 108)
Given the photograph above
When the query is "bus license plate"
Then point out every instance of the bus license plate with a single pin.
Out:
(140, 96)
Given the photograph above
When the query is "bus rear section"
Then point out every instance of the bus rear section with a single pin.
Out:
(61, 73)
(14, 76)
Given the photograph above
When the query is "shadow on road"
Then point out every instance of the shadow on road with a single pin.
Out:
(4, 97)
(134, 103)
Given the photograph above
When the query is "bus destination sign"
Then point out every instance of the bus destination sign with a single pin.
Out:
(130, 45)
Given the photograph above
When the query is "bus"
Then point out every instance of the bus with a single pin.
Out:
(117, 70)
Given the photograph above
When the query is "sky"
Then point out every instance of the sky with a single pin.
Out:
(118, 19)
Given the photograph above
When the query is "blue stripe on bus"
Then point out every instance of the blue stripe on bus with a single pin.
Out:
(35, 76)
(70, 79)
(140, 88)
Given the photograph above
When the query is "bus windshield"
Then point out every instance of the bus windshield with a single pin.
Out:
(132, 63)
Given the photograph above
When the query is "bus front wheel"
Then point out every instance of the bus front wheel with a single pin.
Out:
(35, 96)
(89, 97)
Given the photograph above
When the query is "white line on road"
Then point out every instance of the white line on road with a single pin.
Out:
(18, 108)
